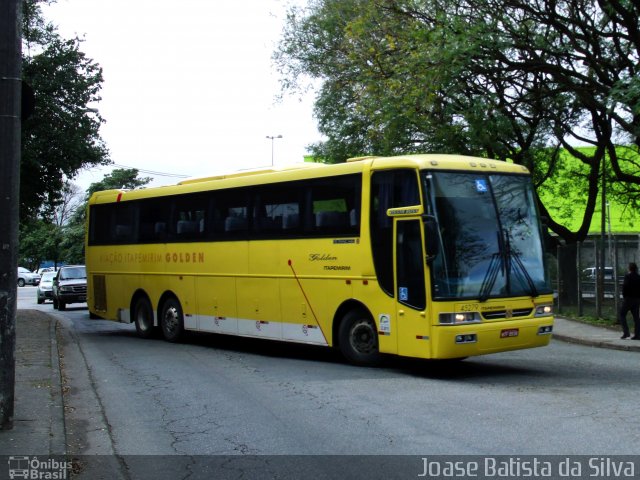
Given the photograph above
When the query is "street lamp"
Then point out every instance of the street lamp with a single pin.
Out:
(272, 138)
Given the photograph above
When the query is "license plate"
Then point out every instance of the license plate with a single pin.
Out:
(509, 332)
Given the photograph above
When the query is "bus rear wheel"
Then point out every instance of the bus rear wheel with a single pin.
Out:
(143, 315)
(172, 320)
(358, 338)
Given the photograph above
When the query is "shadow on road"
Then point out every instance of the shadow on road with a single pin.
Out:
(429, 369)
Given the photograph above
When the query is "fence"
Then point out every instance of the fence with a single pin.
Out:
(574, 275)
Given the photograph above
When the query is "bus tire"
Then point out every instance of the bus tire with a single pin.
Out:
(143, 317)
(172, 320)
(358, 338)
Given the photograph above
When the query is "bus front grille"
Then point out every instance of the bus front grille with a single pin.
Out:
(504, 314)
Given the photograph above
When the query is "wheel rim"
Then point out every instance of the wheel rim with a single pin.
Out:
(171, 319)
(363, 337)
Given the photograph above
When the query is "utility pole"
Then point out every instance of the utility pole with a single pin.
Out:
(601, 263)
(272, 138)
(10, 100)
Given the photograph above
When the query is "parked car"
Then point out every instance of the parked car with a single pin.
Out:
(25, 277)
(69, 286)
(45, 288)
(590, 273)
(47, 269)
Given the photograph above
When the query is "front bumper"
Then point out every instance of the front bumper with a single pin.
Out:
(72, 297)
(479, 339)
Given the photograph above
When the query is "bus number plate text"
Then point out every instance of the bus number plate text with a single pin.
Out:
(509, 332)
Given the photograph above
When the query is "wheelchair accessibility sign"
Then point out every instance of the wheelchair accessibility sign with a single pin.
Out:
(481, 185)
(404, 294)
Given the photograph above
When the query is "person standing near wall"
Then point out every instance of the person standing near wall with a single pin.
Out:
(630, 302)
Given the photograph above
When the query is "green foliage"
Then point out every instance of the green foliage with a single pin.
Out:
(74, 232)
(505, 79)
(119, 179)
(565, 193)
(62, 135)
(43, 239)
(72, 243)
(39, 241)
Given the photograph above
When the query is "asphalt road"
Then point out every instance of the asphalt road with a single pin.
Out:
(218, 395)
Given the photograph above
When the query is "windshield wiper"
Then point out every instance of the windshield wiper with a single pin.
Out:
(504, 258)
(523, 271)
(520, 268)
(490, 277)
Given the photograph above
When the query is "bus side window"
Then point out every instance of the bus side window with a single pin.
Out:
(410, 265)
(190, 215)
(152, 218)
(100, 218)
(186, 227)
(331, 219)
(389, 189)
(335, 205)
(229, 219)
(123, 232)
(235, 224)
(273, 204)
(160, 230)
(123, 226)
(290, 221)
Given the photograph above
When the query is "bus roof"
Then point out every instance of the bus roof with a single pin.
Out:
(302, 171)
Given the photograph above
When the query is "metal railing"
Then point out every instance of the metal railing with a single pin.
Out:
(574, 276)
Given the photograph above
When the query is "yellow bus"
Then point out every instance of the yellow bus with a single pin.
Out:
(427, 256)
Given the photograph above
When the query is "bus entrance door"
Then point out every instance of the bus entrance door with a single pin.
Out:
(411, 298)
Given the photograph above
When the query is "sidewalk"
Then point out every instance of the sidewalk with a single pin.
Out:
(585, 334)
(39, 422)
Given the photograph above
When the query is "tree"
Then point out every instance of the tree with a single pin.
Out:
(43, 238)
(70, 201)
(72, 242)
(39, 241)
(60, 236)
(62, 135)
(586, 54)
(119, 179)
(513, 80)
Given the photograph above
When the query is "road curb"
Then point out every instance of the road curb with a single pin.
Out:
(598, 343)
(58, 421)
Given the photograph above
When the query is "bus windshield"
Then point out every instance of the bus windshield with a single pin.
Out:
(489, 237)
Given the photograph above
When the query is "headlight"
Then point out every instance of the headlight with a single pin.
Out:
(458, 318)
(544, 311)
(66, 289)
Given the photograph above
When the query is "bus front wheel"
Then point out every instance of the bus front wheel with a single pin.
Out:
(171, 320)
(143, 315)
(358, 338)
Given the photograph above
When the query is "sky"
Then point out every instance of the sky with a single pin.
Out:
(189, 86)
